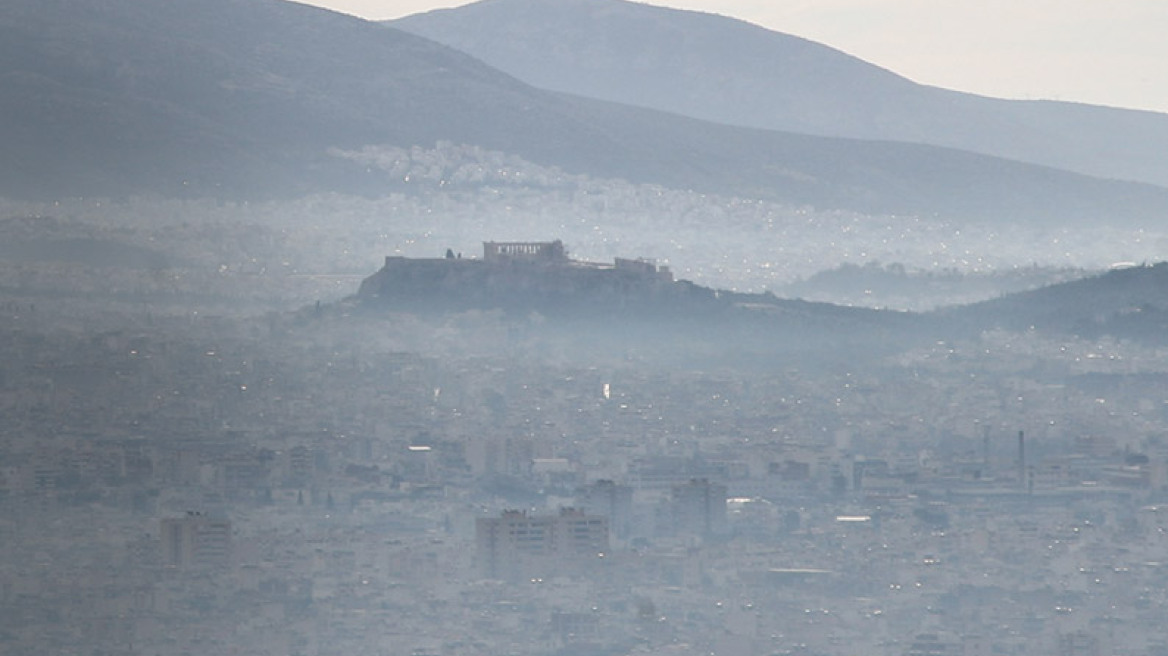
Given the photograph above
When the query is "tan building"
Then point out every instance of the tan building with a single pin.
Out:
(195, 541)
(516, 545)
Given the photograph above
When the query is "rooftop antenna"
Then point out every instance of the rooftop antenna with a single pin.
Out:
(1022, 459)
(985, 448)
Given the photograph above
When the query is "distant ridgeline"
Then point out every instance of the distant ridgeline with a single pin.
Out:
(531, 276)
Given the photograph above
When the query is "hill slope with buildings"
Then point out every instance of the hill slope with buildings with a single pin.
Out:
(240, 100)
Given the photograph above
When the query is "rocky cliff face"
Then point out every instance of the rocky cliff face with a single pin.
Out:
(568, 288)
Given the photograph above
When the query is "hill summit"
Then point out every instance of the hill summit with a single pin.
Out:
(521, 277)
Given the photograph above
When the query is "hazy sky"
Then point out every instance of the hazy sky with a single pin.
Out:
(1108, 52)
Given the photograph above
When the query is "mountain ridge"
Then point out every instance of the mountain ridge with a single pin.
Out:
(248, 98)
(726, 70)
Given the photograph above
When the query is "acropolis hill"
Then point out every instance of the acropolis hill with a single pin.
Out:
(526, 276)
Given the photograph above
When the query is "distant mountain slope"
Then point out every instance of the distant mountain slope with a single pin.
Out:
(136, 95)
(895, 286)
(1124, 303)
(245, 98)
(729, 71)
(45, 240)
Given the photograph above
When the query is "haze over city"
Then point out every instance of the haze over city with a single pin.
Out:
(582, 328)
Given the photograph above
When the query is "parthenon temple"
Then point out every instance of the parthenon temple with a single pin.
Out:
(530, 251)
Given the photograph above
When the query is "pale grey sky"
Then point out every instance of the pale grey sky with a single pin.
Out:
(1106, 52)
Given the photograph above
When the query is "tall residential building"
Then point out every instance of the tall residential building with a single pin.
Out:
(699, 508)
(516, 545)
(607, 498)
(195, 541)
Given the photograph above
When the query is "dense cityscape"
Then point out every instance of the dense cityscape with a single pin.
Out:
(580, 328)
(300, 484)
